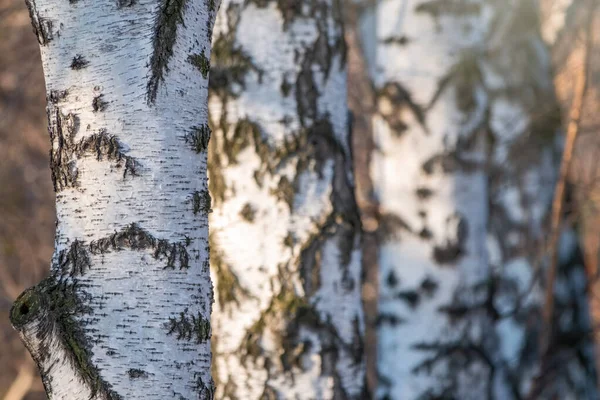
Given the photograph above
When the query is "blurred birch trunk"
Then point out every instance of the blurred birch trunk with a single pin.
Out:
(285, 232)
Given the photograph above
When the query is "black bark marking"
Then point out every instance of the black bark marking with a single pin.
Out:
(425, 233)
(65, 151)
(189, 327)
(248, 212)
(198, 138)
(229, 64)
(399, 99)
(136, 238)
(79, 62)
(126, 3)
(135, 373)
(42, 27)
(453, 248)
(62, 131)
(411, 297)
(99, 104)
(56, 96)
(169, 17)
(397, 40)
(286, 87)
(391, 280)
(429, 286)
(449, 163)
(424, 193)
(285, 191)
(75, 261)
(205, 391)
(108, 146)
(201, 202)
(201, 62)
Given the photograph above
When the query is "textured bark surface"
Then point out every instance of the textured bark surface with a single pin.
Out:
(285, 240)
(125, 311)
(468, 146)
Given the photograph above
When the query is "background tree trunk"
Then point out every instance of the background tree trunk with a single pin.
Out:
(467, 152)
(125, 311)
(285, 240)
(572, 30)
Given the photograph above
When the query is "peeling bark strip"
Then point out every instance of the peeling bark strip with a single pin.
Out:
(288, 313)
(130, 254)
(169, 17)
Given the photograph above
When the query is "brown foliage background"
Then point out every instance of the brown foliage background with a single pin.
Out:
(27, 213)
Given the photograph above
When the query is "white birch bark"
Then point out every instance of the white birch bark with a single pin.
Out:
(285, 248)
(464, 174)
(125, 311)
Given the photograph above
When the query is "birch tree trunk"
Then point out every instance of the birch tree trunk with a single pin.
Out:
(125, 311)
(464, 170)
(285, 240)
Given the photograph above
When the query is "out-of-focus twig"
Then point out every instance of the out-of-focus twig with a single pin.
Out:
(22, 383)
(559, 194)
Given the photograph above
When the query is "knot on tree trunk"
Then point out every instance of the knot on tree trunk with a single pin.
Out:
(45, 318)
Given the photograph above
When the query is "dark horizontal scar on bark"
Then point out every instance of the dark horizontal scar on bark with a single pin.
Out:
(136, 373)
(42, 27)
(65, 150)
(136, 238)
(169, 17)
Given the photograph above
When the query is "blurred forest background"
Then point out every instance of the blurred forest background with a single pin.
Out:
(27, 200)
